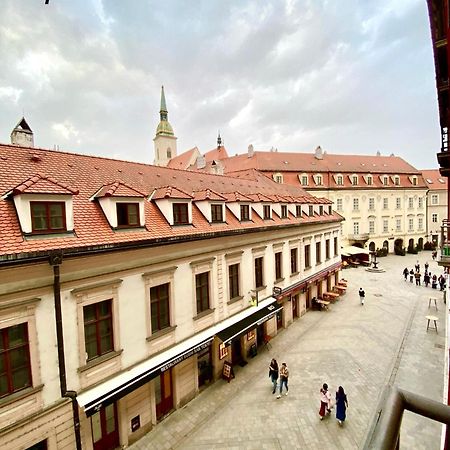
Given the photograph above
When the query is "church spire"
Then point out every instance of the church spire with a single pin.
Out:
(219, 140)
(164, 140)
(163, 108)
(164, 126)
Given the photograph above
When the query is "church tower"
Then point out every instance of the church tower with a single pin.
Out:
(165, 141)
(22, 134)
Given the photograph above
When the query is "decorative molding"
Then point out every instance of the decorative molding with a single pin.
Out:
(19, 303)
(158, 272)
(199, 262)
(90, 287)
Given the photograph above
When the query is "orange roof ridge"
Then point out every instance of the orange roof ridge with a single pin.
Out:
(207, 194)
(116, 190)
(170, 192)
(26, 185)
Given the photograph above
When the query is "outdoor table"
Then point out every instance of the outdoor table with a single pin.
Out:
(324, 304)
(331, 296)
(340, 289)
(432, 319)
(432, 299)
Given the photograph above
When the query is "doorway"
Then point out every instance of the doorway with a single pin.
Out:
(163, 394)
(236, 351)
(295, 306)
(204, 365)
(308, 298)
(105, 430)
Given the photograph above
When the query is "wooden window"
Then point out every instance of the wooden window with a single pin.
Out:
(340, 180)
(336, 246)
(385, 181)
(310, 211)
(127, 214)
(266, 210)
(330, 211)
(15, 366)
(180, 214)
(202, 291)
(233, 280)
(318, 251)
(320, 210)
(327, 249)
(160, 307)
(284, 211)
(294, 260)
(298, 210)
(304, 180)
(48, 217)
(307, 256)
(245, 212)
(354, 180)
(278, 266)
(216, 213)
(369, 180)
(98, 329)
(259, 277)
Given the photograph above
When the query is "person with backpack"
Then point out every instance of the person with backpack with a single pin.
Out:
(362, 295)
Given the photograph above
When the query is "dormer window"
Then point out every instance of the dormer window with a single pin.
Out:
(319, 180)
(397, 180)
(298, 210)
(180, 214)
(216, 213)
(354, 180)
(385, 180)
(414, 181)
(245, 212)
(48, 217)
(284, 211)
(278, 178)
(304, 179)
(320, 210)
(369, 180)
(266, 212)
(329, 209)
(310, 211)
(340, 180)
(127, 215)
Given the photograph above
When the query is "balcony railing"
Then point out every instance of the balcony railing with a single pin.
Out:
(385, 432)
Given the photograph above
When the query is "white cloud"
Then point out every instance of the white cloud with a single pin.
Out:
(66, 130)
(9, 93)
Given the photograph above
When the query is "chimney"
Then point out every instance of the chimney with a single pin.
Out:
(22, 134)
(378, 153)
(318, 152)
(251, 152)
(201, 162)
(217, 168)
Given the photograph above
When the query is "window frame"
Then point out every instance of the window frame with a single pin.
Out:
(434, 199)
(234, 285)
(158, 302)
(215, 217)
(258, 271)
(355, 204)
(307, 253)
(318, 252)
(294, 260)
(434, 218)
(244, 211)
(278, 262)
(335, 243)
(284, 211)
(339, 204)
(178, 210)
(327, 249)
(127, 206)
(202, 286)
(267, 216)
(48, 204)
(371, 204)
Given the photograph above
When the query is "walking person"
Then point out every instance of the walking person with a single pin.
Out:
(284, 375)
(417, 266)
(325, 399)
(441, 280)
(434, 281)
(417, 277)
(405, 273)
(273, 374)
(426, 266)
(426, 279)
(362, 294)
(411, 275)
(341, 405)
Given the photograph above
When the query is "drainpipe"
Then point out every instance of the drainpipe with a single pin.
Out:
(55, 262)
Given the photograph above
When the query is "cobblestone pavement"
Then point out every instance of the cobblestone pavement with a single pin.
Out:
(359, 347)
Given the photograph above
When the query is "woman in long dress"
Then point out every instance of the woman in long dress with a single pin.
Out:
(341, 405)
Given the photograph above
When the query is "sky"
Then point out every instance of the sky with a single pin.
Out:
(353, 76)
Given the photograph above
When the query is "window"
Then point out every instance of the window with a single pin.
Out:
(159, 307)
(294, 261)
(385, 203)
(278, 267)
(397, 181)
(284, 211)
(398, 225)
(327, 249)
(371, 204)
(420, 206)
(398, 203)
(339, 204)
(355, 227)
(369, 180)
(180, 214)
(278, 178)
(354, 180)
(15, 365)
(307, 256)
(385, 181)
(98, 329)
(304, 180)
(371, 226)
(127, 214)
(266, 211)
(340, 180)
(233, 280)
(420, 223)
(48, 217)
(410, 203)
(414, 181)
(329, 209)
(216, 213)
(434, 218)
(39, 446)
(310, 210)
(298, 211)
(385, 225)
(355, 204)
(319, 180)
(336, 246)
(410, 224)
(245, 212)
(259, 267)
(318, 255)
(434, 199)
(320, 210)
(202, 291)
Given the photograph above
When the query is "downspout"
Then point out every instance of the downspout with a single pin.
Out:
(56, 261)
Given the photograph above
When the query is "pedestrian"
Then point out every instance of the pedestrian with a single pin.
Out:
(362, 294)
(273, 374)
(417, 266)
(442, 282)
(434, 281)
(417, 277)
(426, 266)
(325, 399)
(434, 254)
(405, 273)
(284, 375)
(426, 279)
(411, 275)
(341, 405)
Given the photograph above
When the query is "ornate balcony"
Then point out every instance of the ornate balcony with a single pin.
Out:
(360, 237)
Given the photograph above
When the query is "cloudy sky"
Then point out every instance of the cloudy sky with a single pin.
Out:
(354, 76)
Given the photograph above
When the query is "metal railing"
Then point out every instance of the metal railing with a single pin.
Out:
(385, 433)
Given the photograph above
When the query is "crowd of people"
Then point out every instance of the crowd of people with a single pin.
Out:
(428, 278)
(326, 402)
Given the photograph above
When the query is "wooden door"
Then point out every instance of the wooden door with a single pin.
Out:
(163, 394)
(236, 353)
(105, 430)
(294, 302)
(308, 298)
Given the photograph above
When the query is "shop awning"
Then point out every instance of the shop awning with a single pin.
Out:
(351, 250)
(124, 383)
(243, 326)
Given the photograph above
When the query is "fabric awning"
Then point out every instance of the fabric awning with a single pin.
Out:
(124, 383)
(245, 325)
(351, 250)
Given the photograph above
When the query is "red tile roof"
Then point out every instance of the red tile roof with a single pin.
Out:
(43, 184)
(89, 174)
(208, 194)
(237, 197)
(184, 160)
(216, 154)
(170, 192)
(118, 189)
(434, 180)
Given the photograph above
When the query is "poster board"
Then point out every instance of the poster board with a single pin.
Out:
(227, 371)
